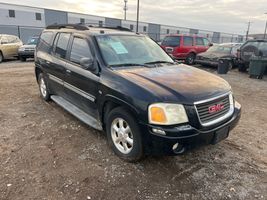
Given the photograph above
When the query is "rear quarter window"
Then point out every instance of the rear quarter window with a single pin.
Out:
(45, 41)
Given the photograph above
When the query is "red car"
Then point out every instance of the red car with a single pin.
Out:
(185, 47)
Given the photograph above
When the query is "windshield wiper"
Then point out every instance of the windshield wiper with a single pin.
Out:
(159, 62)
(129, 64)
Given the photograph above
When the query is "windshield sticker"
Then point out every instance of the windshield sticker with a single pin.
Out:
(118, 47)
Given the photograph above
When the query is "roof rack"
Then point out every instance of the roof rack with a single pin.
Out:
(85, 26)
(96, 25)
(71, 26)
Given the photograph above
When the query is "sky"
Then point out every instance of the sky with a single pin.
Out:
(230, 16)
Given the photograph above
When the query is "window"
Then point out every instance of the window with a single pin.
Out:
(45, 41)
(171, 41)
(80, 49)
(12, 39)
(82, 20)
(144, 28)
(178, 32)
(168, 31)
(206, 42)
(131, 27)
(199, 41)
(62, 40)
(100, 23)
(38, 16)
(188, 41)
(11, 13)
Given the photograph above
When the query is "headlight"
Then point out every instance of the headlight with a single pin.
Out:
(167, 114)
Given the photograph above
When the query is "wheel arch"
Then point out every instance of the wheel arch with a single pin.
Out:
(110, 102)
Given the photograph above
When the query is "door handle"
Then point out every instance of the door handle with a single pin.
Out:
(68, 71)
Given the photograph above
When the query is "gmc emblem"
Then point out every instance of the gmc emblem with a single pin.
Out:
(215, 108)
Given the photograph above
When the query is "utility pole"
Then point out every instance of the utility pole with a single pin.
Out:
(249, 23)
(265, 28)
(137, 20)
(125, 8)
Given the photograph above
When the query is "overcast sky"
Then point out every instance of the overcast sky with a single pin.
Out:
(229, 16)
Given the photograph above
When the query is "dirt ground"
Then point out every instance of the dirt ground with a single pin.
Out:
(45, 153)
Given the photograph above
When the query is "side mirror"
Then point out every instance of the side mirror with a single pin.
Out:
(88, 63)
(210, 44)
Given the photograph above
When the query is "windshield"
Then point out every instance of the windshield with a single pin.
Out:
(172, 41)
(130, 49)
(220, 49)
(32, 41)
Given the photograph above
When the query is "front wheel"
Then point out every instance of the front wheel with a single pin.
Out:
(190, 59)
(123, 135)
(23, 59)
(1, 57)
(43, 87)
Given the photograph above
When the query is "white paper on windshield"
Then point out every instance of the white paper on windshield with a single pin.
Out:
(118, 47)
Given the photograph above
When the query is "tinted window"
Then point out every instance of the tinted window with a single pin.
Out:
(80, 49)
(144, 28)
(45, 41)
(199, 42)
(38, 16)
(11, 13)
(62, 41)
(172, 41)
(188, 41)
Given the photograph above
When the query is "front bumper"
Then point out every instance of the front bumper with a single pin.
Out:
(186, 136)
(26, 54)
(207, 62)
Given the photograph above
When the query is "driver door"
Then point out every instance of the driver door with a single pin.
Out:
(81, 85)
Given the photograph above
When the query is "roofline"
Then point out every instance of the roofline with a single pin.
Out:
(118, 18)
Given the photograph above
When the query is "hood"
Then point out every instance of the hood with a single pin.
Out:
(212, 55)
(177, 83)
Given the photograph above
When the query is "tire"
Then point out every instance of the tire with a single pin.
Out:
(231, 65)
(190, 59)
(22, 59)
(242, 68)
(43, 87)
(1, 57)
(129, 146)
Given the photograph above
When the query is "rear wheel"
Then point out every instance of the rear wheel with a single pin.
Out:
(190, 59)
(43, 87)
(1, 57)
(123, 135)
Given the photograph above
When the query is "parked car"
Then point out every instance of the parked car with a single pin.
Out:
(125, 84)
(185, 47)
(215, 53)
(248, 49)
(27, 50)
(9, 45)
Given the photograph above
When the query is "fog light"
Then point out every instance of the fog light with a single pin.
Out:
(158, 131)
(175, 146)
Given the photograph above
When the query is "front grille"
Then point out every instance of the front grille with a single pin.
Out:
(208, 115)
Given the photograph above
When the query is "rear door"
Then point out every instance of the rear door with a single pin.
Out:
(188, 45)
(81, 85)
(56, 62)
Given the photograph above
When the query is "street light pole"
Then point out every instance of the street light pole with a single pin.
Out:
(265, 28)
(137, 20)
(249, 23)
(125, 8)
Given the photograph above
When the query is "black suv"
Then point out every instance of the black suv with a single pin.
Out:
(248, 49)
(125, 84)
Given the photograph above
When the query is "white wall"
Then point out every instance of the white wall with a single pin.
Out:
(24, 16)
(141, 25)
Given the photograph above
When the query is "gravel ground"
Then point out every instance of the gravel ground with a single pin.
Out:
(45, 153)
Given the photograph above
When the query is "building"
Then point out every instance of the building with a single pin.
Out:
(25, 21)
